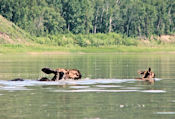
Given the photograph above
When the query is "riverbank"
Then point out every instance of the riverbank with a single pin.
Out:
(47, 49)
(15, 40)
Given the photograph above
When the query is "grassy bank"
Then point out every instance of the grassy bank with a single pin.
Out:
(46, 49)
(15, 40)
(12, 34)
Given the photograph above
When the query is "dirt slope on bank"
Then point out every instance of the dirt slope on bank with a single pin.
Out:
(12, 34)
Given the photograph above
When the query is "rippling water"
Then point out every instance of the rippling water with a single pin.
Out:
(107, 90)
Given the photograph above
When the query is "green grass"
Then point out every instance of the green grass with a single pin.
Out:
(15, 40)
(10, 48)
(13, 32)
(87, 40)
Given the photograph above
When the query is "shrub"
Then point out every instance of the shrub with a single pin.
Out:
(85, 40)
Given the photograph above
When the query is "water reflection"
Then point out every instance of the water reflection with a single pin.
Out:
(108, 89)
(92, 66)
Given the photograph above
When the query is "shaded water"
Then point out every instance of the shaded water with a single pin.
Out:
(108, 89)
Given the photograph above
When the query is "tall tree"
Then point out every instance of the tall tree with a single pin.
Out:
(130, 17)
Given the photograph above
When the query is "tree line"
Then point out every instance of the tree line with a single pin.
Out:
(133, 18)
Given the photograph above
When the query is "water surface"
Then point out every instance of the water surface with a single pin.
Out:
(107, 90)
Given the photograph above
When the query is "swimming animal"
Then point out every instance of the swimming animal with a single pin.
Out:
(147, 75)
(61, 73)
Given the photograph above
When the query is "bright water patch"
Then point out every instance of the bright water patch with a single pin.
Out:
(79, 87)
(108, 86)
(95, 90)
(13, 88)
(172, 101)
(132, 88)
(164, 113)
(157, 79)
(153, 91)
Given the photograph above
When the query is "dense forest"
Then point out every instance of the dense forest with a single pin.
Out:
(133, 18)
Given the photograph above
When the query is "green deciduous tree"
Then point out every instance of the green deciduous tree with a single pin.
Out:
(141, 18)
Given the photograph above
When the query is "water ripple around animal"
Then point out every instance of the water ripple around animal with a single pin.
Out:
(95, 90)
(101, 84)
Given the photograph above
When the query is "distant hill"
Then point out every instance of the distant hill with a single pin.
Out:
(12, 34)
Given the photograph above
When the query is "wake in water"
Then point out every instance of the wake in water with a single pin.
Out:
(84, 85)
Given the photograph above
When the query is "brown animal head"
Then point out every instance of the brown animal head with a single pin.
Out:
(147, 74)
(151, 75)
(74, 74)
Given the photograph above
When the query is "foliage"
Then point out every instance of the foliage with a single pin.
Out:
(86, 40)
(46, 49)
(134, 18)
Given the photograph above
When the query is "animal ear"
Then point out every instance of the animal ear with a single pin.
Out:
(149, 69)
